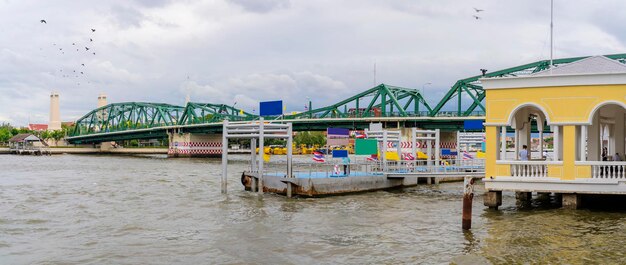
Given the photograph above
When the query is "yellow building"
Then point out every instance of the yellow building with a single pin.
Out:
(583, 104)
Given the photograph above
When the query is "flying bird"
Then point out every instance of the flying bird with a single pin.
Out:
(73, 43)
(81, 73)
(90, 39)
(483, 71)
(43, 21)
(94, 53)
(476, 17)
(86, 49)
(93, 30)
(478, 10)
(82, 64)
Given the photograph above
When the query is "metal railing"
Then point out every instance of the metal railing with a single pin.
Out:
(529, 169)
(607, 169)
(445, 166)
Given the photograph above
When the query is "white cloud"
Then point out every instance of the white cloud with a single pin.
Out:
(249, 51)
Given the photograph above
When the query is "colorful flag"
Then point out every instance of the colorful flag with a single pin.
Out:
(409, 156)
(318, 157)
(372, 158)
(359, 135)
(467, 156)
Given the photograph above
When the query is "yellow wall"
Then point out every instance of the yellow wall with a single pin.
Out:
(583, 171)
(569, 152)
(564, 105)
(571, 104)
(491, 150)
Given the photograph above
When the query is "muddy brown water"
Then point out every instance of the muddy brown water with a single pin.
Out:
(93, 209)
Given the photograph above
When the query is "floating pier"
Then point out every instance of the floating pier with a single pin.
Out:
(325, 179)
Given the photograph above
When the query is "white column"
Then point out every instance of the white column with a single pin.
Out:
(618, 130)
(583, 143)
(253, 163)
(557, 142)
(289, 150)
(399, 147)
(503, 143)
(540, 128)
(253, 155)
(593, 143)
(437, 147)
(383, 154)
(517, 143)
(261, 155)
(458, 148)
(429, 150)
(224, 156)
(414, 142)
(528, 141)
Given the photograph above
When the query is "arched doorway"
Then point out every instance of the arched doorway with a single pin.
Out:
(528, 121)
(605, 139)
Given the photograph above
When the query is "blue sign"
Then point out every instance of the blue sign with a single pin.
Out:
(473, 125)
(271, 108)
(340, 153)
(338, 131)
(445, 152)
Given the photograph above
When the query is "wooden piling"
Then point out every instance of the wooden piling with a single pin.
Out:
(468, 196)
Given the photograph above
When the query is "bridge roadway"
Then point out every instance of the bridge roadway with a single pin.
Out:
(394, 106)
(303, 124)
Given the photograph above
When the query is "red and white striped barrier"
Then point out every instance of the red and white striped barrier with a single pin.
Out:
(423, 144)
(194, 148)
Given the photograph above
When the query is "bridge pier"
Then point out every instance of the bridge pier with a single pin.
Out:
(194, 145)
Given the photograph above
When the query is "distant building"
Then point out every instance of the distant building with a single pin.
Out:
(37, 127)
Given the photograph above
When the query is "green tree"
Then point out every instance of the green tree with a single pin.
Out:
(57, 135)
(5, 134)
(45, 135)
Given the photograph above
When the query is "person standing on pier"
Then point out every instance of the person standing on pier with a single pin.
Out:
(346, 165)
(523, 154)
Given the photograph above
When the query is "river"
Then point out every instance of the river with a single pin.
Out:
(93, 209)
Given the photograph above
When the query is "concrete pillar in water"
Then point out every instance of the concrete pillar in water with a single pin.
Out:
(493, 199)
(55, 113)
(195, 145)
(523, 198)
(468, 196)
(571, 201)
(543, 196)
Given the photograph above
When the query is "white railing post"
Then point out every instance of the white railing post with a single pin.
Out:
(224, 156)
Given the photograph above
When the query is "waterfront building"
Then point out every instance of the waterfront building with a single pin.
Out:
(583, 104)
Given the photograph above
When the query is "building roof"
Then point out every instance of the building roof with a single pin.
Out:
(37, 126)
(595, 70)
(23, 137)
(590, 65)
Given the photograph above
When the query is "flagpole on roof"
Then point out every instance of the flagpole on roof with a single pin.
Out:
(551, 34)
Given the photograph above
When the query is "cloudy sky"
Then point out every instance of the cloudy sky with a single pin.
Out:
(247, 51)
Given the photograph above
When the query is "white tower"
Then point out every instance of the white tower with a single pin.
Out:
(102, 100)
(55, 113)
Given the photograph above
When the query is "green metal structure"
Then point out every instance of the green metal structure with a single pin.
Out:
(473, 88)
(199, 113)
(380, 101)
(141, 120)
(128, 116)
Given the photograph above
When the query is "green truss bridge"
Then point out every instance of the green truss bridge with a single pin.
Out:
(391, 105)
